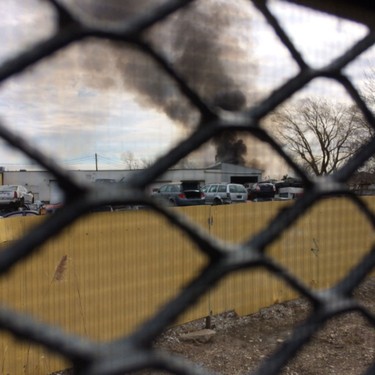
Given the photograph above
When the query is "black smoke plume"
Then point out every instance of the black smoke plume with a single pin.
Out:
(230, 148)
(201, 46)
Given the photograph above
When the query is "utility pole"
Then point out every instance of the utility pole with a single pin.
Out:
(96, 161)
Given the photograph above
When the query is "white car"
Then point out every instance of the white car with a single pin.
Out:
(224, 193)
(15, 195)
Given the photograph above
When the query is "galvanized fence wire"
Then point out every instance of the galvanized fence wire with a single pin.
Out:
(135, 352)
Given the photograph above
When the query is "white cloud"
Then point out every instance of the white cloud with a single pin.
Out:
(319, 37)
(23, 22)
(54, 106)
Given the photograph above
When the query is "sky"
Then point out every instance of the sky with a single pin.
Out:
(78, 106)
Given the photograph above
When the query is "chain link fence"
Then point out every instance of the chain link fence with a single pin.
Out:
(135, 352)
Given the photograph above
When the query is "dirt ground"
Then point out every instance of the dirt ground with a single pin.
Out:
(237, 345)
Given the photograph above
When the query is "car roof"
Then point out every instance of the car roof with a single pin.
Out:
(223, 183)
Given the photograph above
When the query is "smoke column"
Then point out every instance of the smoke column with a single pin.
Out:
(201, 42)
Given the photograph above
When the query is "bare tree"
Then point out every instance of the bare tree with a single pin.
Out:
(321, 135)
(131, 161)
(368, 130)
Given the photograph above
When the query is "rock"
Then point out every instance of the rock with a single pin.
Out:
(202, 336)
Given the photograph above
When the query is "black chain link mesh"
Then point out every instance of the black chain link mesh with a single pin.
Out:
(135, 352)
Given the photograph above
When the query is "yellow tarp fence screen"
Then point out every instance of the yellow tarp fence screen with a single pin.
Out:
(110, 271)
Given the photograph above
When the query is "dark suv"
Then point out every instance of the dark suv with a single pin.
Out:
(187, 193)
(261, 191)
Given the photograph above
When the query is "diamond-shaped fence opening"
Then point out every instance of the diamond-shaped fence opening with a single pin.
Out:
(178, 58)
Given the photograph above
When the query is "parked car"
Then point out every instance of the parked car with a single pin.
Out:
(262, 191)
(187, 193)
(290, 188)
(224, 193)
(15, 196)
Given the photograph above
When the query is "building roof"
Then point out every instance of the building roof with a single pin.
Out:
(234, 168)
